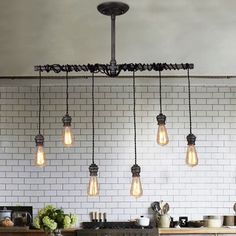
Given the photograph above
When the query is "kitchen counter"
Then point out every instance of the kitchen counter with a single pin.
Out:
(202, 230)
(21, 231)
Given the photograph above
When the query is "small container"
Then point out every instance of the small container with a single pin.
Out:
(229, 220)
(213, 221)
(5, 214)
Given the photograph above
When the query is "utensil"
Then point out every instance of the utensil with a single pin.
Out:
(155, 206)
(234, 207)
(161, 207)
(166, 208)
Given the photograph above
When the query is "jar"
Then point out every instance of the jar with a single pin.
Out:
(164, 221)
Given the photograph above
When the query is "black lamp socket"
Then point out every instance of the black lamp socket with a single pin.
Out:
(66, 120)
(39, 139)
(191, 138)
(161, 119)
(135, 170)
(93, 169)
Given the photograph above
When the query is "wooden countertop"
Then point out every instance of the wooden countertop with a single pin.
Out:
(201, 230)
(24, 231)
(162, 231)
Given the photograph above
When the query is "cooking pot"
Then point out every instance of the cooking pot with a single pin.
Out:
(143, 221)
(5, 214)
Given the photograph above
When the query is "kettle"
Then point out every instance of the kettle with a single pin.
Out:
(21, 218)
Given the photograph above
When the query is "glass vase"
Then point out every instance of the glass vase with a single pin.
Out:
(57, 232)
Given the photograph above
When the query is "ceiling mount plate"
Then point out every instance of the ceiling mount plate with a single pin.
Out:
(113, 8)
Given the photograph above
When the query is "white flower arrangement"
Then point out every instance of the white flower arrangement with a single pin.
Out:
(51, 219)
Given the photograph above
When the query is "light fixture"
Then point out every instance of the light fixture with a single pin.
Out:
(191, 155)
(162, 135)
(67, 136)
(93, 187)
(112, 9)
(40, 159)
(136, 189)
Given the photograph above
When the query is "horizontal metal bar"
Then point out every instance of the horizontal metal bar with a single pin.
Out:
(120, 77)
(113, 70)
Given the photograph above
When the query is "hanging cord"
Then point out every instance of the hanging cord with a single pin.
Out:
(39, 101)
(160, 91)
(93, 117)
(189, 102)
(67, 93)
(134, 113)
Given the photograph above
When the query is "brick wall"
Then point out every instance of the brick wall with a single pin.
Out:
(208, 188)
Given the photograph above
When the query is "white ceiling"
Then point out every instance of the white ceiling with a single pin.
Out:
(73, 31)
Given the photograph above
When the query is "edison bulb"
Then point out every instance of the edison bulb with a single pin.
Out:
(93, 188)
(67, 137)
(191, 155)
(136, 189)
(162, 135)
(40, 159)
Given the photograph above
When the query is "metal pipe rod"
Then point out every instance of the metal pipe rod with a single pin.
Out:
(113, 39)
(104, 68)
(122, 77)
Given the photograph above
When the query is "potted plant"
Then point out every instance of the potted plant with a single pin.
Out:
(52, 220)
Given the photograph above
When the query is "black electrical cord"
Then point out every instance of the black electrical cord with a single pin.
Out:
(134, 114)
(189, 102)
(93, 117)
(67, 93)
(39, 102)
(160, 91)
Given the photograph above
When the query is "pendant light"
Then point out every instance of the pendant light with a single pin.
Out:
(40, 159)
(162, 135)
(93, 187)
(67, 136)
(136, 189)
(191, 155)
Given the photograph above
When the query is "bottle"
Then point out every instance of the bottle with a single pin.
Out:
(100, 217)
(105, 217)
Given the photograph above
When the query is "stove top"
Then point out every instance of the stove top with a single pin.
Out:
(113, 225)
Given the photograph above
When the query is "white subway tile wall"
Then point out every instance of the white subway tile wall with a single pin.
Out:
(209, 188)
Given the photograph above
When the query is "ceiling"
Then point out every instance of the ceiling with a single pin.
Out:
(36, 32)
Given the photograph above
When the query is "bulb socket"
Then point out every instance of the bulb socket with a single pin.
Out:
(93, 169)
(161, 119)
(191, 138)
(39, 140)
(66, 120)
(135, 170)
